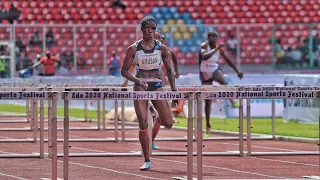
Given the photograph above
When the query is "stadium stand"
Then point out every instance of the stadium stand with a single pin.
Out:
(189, 15)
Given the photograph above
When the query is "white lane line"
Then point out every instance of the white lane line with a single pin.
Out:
(283, 161)
(217, 167)
(12, 176)
(112, 170)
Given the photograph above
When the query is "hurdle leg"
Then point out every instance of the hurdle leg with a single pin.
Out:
(103, 114)
(50, 128)
(248, 127)
(123, 121)
(241, 127)
(28, 110)
(85, 110)
(35, 119)
(150, 125)
(66, 139)
(190, 140)
(41, 129)
(195, 119)
(31, 115)
(54, 139)
(199, 136)
(273, 118)
(98, 115)
(116, 121)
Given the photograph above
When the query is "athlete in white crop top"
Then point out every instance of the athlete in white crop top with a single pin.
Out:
(148, 55)
(211, 71)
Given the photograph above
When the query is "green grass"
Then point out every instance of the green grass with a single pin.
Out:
(262, 126)
(73, 112)
(259, 125)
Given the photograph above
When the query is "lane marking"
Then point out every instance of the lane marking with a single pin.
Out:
(217, 167)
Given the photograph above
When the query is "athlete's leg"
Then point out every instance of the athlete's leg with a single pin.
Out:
(141, 108)
(218, 77)
(156, 126)
(207, 110)
(164, 111)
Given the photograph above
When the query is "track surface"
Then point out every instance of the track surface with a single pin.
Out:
(163, 167)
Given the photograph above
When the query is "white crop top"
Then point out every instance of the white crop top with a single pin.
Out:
(148, 59)
(211, 64)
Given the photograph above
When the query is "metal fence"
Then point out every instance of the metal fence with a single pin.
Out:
(88, 47)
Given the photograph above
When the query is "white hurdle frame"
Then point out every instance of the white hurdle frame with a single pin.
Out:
(53, 96)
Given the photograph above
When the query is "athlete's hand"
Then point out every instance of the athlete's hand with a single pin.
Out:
(240, 74)
(143, 84)
(177, 75)
(221, 45)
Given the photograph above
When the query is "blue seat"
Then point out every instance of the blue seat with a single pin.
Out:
(194, 49)
(189, 42)
(176, 15)
(164, 10)
(196, 36)
(162, 21)
(167, 16)
(186, 16)
(155, 10)
(180, 43)
(198, 21)
(173, 10)
(201, 29)
(184, 49)
(189, 21)
(158, 16)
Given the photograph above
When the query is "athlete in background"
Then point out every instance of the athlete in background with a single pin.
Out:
(211, 71)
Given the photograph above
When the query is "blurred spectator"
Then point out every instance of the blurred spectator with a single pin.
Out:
(316, 43)
(232, 43)
(20, 45)
(279, 52)
(293, 56)
(2, 67)
(114, 65)
(118, 3)
(49, 38)
(3, 13)
(69, 58)
(40, 68)
(35, 39)
(13, 14)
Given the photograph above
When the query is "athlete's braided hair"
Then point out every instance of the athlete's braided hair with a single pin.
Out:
(213, 32)
(146, 20)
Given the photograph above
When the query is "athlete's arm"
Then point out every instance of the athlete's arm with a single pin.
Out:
(175, 63)
(167, 65)
(57, 60)
(126, 81)
(206, 55)
(127, 62)
(230, 63)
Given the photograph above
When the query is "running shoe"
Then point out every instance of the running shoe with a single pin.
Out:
(207, 133)
(235, 104)
(146, 166)
(154, 146)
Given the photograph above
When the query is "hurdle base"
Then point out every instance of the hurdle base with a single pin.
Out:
(36, 155)
(182, 178)
(311, 177)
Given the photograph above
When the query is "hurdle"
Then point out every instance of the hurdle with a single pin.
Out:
(34, 96)
(200, 96)
(59, 88)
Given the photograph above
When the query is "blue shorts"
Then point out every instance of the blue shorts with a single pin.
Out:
(152, 86)
(204, 78)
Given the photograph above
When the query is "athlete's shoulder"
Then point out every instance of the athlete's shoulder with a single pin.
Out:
(204, 44)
